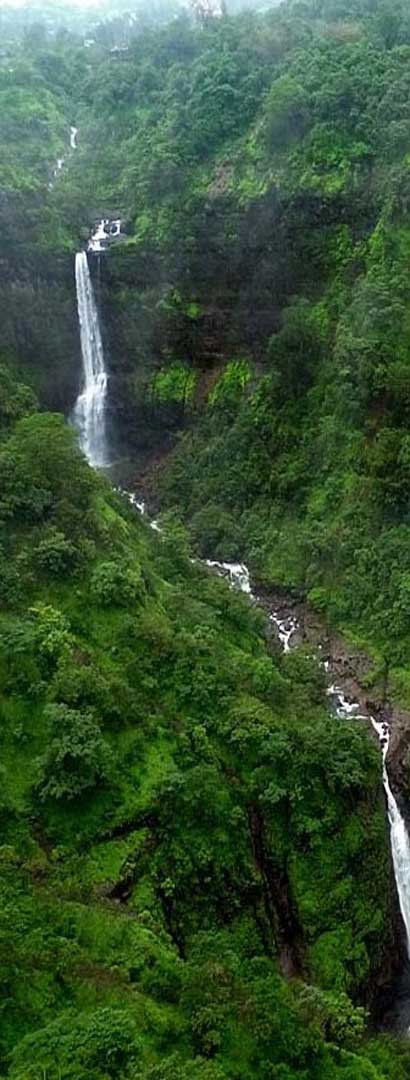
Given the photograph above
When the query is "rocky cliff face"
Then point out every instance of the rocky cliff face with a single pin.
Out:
(217, 293)
(39, 331)
(39, 327)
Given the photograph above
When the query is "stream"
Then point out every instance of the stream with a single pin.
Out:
(286, 628)
(89, 417)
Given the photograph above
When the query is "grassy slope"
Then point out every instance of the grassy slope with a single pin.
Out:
(178, 812)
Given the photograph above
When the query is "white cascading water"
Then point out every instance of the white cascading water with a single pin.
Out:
(89, 416)
(400, 843)
(237, 573)
(239, 577)
(106, 230)
(99, 239)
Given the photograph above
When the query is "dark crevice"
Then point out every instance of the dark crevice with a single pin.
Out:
(279, 905)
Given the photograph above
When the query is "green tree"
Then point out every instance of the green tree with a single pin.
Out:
(78, 758)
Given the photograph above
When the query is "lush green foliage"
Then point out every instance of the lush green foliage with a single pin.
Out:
(194, 868)
(182, 822)
(306, 474)
(260, 164)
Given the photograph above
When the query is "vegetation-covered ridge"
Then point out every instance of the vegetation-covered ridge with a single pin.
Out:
(194, 861)
(194, 864)
(260, 300)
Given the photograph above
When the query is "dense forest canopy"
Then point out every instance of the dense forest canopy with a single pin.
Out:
(194, 863)
(103, 20)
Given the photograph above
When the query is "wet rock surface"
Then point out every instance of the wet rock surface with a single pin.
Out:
(349, 667)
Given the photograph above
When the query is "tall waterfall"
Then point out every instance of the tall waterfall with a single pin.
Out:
(89, 416)
(399, 837)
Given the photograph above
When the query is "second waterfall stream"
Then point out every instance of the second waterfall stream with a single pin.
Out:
(89, 416)
(239, 577)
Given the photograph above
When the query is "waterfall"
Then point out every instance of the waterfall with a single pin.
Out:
(238, 575)
(105, 231)
(89, 416)
(399, 838)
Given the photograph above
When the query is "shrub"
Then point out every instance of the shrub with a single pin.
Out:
(231, 385)
(51, 632)
(174, 385)
(287, 114)
(113, 584)
(97, 1044)
(55, 554)
(78, 757)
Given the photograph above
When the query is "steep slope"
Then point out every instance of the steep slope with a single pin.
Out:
(195, 864)
(39, 333)
(261, 298)
(182, 822)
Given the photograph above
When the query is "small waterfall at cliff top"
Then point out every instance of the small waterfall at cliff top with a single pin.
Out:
(89, 416)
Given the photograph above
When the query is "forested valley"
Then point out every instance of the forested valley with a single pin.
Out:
(205, 400)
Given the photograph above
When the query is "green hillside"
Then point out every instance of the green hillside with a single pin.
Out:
(194, 862)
